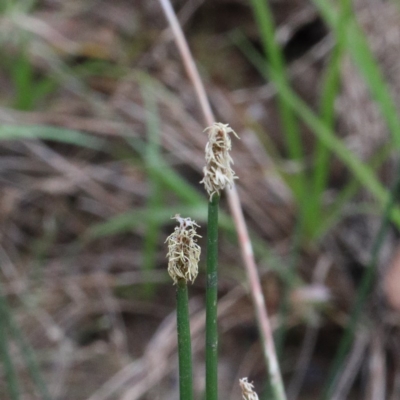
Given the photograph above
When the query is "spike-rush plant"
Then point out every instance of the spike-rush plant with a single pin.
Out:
(218, 174)
(183, 257)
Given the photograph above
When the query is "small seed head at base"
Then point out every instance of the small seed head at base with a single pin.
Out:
(248, 392)
(183, 251)
(218, 173)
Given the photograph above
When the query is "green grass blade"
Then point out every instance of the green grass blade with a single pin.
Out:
(360, 170)
(330, 90)
(264, 19)
(357, 45)
(22, 76)
(19, 132)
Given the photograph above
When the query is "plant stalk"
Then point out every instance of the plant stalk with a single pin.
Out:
(184, 342)
(211, 301)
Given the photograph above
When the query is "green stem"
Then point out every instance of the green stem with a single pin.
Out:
(211, 301)
(184, 342)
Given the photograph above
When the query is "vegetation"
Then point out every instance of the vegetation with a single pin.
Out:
(102, 143)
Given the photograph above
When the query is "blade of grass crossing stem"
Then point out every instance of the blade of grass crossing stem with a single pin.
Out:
(155, 200)
(184, 342)
(211, 301)
(362, 292)
(264, 19)
(360, 170)
(9, 370)
(358, 47)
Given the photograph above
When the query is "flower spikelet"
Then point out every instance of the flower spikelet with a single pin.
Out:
(218, 172)
(248, 392)
(183, 251)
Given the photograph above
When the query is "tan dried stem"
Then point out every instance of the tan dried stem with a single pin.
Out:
(236, 211)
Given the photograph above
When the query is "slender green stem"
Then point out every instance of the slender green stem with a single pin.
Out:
(184, 342)
(211, 301)
(9, 371)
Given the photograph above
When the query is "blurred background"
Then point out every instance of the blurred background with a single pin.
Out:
(101, 143)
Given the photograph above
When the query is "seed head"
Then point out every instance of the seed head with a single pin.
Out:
(218, 172)
(183, 251)
(248, 392)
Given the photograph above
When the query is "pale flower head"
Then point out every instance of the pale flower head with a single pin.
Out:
(183, 251)
(218, 173)
(248, 392)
